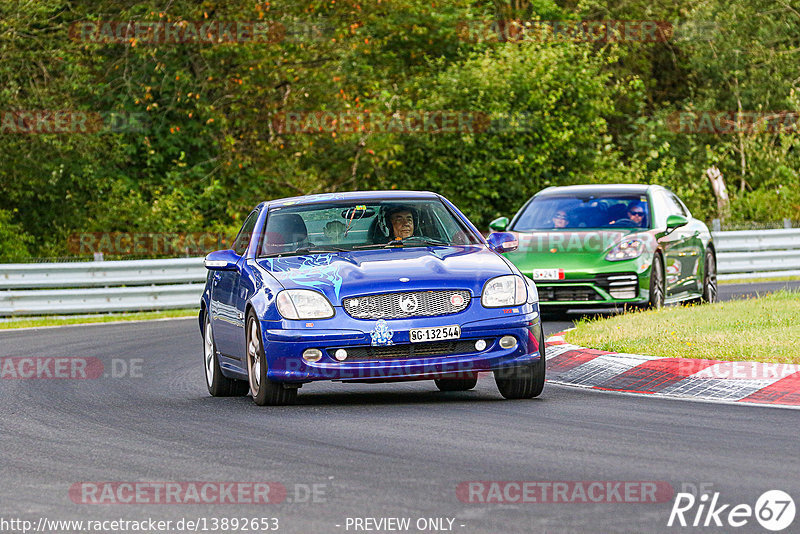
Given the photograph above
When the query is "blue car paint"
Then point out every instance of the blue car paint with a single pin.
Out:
(230, 295)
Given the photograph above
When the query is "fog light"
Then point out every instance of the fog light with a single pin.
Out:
(312, 355)
(623, 293)
(480, 345)
(508, 342)
(340, 355)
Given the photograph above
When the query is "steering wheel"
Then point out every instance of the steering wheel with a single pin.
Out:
(625, 222)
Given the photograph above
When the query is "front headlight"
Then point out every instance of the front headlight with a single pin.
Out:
(508, 290)
(626, 250)
(303, 304)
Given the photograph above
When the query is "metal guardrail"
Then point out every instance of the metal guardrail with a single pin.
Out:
(112, 286)
(98, 300)
(100, 286)
(101, 273)
(753, 254)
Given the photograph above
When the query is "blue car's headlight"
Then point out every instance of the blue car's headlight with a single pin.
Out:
(303, 304)
(508, 290)
(626, 250)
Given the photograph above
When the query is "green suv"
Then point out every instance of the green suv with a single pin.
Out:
(612, 245)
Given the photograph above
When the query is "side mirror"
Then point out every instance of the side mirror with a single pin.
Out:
(676, 221)
(502, 242)
(499, 225)
(221, 260)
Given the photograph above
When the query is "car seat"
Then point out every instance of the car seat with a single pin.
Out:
(285, 232)
(617, 212)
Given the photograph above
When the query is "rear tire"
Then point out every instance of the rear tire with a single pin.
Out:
(218, 384)
(657, 283)
(265, 391)
(456, 384)
(710, 290)
(526, 381)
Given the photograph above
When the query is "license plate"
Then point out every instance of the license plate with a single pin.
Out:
(439, 333)
(548, 274)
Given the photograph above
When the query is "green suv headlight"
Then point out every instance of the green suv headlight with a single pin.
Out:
(626, 250)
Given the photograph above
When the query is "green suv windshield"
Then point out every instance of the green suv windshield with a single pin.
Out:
(569, 212)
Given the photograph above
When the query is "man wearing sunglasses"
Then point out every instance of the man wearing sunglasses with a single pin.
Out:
(636, 213)
(635, 216)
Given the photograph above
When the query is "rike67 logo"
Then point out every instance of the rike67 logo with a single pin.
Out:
(774, 510)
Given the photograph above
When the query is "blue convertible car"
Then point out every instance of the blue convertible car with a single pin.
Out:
(367, 287)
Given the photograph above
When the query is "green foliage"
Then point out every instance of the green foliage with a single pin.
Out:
(562, 112)
(13, 240)
(542, 132)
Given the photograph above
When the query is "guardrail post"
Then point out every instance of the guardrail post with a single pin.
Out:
(716, 225)
(787, 223)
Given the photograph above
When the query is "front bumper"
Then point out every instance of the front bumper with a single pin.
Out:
(606, 289)
(284, 348)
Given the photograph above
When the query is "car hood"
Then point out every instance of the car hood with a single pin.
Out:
(572, 249)
(346, 274)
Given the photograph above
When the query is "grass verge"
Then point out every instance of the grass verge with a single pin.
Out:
(28, 322)
(763, 329)
(757, 280)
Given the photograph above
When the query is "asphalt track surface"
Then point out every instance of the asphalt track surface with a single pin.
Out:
(378, 450)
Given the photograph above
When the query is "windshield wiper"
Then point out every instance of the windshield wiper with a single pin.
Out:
(418, 239)
(305, 250)
(402, 242)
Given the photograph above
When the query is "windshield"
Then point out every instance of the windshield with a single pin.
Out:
(595, 211)
(356, 225)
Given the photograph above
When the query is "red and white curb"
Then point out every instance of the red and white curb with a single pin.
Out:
(769, 384)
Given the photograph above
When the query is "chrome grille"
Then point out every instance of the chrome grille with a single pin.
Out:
(412, 304)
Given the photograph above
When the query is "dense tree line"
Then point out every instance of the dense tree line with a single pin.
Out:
(201, 142)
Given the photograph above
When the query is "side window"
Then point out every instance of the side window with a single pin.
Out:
(684, 209)
(674, 205)
(662, 208)
(243, 239)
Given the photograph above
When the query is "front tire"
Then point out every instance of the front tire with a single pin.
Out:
(218, 384)
(526, 381)
(456, 384)
(710, 289)
(657, 283)
(265, 391)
